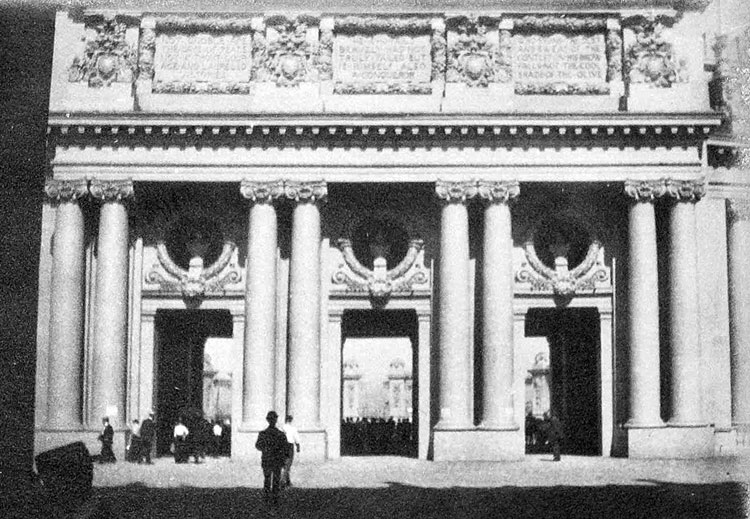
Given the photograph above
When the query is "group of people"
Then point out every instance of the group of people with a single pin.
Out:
(378, 436)
(138, 450)
(198, 437)
(544, 434)
(277, 447)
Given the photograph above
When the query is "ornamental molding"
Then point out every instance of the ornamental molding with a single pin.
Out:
(614, 48)
(66, 190)
(738, 209)
(650, 58)
(685, 190)
(394, 25)
(410, 275)
(312, 192)
(472, 55)
(498, 192)
(456, 192)
(286, 56)
(262, 192)
(107, 58)
(112, 191)
(559, 23)
(195, 24)
(146, 52)
(645, 190)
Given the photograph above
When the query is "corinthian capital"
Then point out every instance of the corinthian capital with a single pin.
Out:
(66, 190)
(645, 190)
(262, 192)
(112, 191)
(738, 209)
(306, 191)
(685, 190)
(453, 192)
(498, 192)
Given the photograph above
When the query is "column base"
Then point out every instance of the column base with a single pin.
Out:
(478, 445)
(671, 443)
(45, 440)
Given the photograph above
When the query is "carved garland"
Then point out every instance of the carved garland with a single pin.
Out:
(472, 57)
(651, 58)
(107, 59)
(559, 23)
(289, 59)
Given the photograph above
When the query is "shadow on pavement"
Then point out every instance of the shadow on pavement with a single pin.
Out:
(653, 499)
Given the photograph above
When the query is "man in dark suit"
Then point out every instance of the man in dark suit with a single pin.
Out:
(555, 435)
(273, 447)
(148, 433)
(107, 438)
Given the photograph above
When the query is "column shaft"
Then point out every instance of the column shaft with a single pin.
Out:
(455, 349)
(260, 315)
(739, 309)
(111, 305)
(66, 318)
(684, 318)
(643, 317)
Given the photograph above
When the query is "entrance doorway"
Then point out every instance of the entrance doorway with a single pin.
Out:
(379, 392)
(563, 368)
(193, 368)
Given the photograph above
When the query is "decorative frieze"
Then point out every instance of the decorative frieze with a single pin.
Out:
(66, 190)
(262, 192)
(651, 58)
(306, 191)
(107, 58)
(645, 190)
(289, 55)
(498, 192)
(471, 53)
(112, 191)
(685, 190)
(456, 192)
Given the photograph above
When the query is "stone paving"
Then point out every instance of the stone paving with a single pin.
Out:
(393, 487)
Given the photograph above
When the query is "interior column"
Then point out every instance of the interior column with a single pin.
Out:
(303, 398)
(111, 302)
(643, 305)
(454, 307)
(260, 303)
(739, 308)
(497, 305)
(684, 316)
(66, 305)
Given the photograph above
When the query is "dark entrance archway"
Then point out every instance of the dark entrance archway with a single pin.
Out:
(181, 338)
(574, 369)
(380, 405)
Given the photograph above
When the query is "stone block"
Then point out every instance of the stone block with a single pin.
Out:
(478, 445)
(671, 443)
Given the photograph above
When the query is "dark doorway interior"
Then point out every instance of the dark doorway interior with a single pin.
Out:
(181, 337)
(574, 386)
(386, 424)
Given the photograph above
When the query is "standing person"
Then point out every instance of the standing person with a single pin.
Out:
(292, 441)
(181, 452)
(148, 433)
(134, 446)
(217, 431)
(107, 438)
(272, 445)
(555, 436)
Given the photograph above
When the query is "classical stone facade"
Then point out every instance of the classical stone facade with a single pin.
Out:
(469, 181)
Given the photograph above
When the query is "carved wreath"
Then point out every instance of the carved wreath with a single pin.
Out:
(107, 58)
(651, 58)
(471, 58)
(287, 60)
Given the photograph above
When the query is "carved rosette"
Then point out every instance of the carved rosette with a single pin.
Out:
(66, 190)
(289, 58)
(645, 190)
(471, 58)
(108, 58)
(685, 190)
(455, 192)
(112, 191)
(406, 277)
(738, 209)
(651, 59)
(262, 192)
(306, 192)
(498, 192)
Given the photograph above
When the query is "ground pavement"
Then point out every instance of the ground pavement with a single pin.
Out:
(393, 487)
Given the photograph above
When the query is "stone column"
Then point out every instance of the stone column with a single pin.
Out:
(497, 305)
(684, 328)
(111, 302)
(643, 305)
(66, 305)
(454, 307)
(260, 303)
(739, 309)
(303, 393)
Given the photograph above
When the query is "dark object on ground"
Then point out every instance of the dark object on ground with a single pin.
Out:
(66, 474)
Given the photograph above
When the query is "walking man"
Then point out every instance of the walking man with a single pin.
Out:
(555, 436)
(148, 433)
(292, 444)
(107, 438)
(272, 445)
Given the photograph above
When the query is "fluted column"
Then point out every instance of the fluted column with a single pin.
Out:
(739, 308)
(643, 305)
(454, 305)
(684, 330)
(303, 393)
(497, 305)
(111, 303)
(260, 302)
(66, 305)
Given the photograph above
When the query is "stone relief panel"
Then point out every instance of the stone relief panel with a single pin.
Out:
(286, 51)
(473, 52)
(650, 54)
(109, 57)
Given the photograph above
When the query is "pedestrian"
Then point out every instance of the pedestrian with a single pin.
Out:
(555, 435)
(134, 445)
(107, 438)
(217, 431)
(148, 434)
(292, 441)
(181, 451)
(273, 447)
